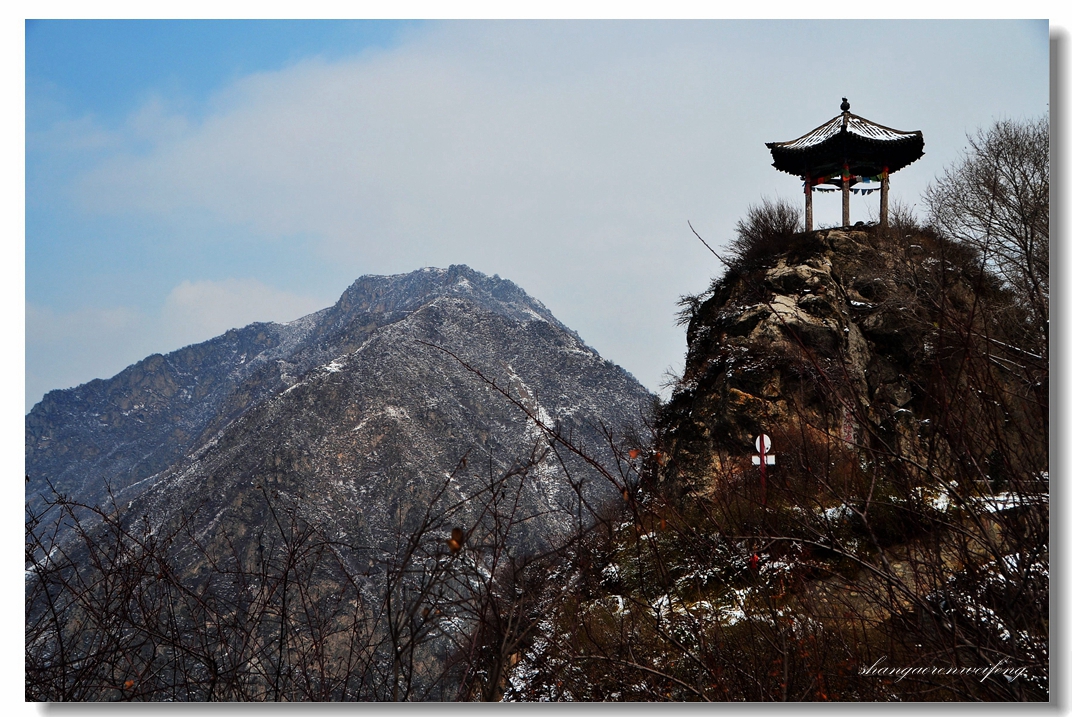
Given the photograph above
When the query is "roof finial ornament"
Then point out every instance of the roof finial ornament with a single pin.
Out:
(844, 104)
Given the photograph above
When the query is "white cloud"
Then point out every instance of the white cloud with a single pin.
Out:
(564, 156)
(83, 134)
(68, 349)
(45, 327)
(65, 349)
(153, 122)
(198, 310)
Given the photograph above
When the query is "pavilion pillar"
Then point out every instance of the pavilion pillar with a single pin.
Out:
(884, 204)
(845, 196)
(807, 203)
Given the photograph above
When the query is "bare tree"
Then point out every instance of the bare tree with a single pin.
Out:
(996, 199)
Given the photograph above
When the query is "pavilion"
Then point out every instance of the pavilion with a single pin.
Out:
(850, 153)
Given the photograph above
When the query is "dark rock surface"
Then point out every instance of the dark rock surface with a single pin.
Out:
(845, 333)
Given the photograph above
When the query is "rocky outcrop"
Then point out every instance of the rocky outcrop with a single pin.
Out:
(836, 338)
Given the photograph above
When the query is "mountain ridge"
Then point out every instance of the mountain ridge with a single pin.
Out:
(121, 433)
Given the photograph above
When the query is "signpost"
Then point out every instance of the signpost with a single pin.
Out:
(764, 459)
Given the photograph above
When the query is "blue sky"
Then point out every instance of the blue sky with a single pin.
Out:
(109, 67)
(90, 78)
(184, 177)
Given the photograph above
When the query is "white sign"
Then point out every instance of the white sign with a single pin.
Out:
(763, 444)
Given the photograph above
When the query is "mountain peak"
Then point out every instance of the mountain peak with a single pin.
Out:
(385, 299)
(125, 430)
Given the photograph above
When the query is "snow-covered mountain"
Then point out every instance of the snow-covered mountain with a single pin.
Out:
(352, 411)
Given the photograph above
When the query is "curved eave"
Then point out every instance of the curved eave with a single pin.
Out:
(864, 155)
(867, 146)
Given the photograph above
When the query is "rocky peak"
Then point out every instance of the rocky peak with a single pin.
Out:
(838, 331)
(402, 293)
(123, 433)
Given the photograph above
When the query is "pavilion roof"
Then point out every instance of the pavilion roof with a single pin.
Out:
(867, 147)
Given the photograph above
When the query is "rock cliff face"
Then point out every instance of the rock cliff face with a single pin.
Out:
(348, 411)
(848, 335)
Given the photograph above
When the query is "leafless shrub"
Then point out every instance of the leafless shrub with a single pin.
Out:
(127, 610)
(764, 231)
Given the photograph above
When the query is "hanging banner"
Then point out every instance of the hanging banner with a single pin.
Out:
(850, 178)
